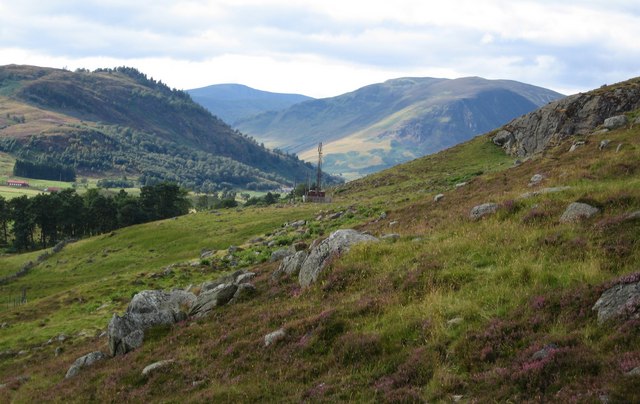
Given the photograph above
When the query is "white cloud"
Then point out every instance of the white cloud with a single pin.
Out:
(326, 47)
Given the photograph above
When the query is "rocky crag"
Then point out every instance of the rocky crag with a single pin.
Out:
(579, 114)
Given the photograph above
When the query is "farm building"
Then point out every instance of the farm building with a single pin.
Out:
(16, 183)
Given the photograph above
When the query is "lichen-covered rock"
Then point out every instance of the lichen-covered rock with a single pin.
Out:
(338, 242)
(83, 362)
(621, 300)
(480, 211)
(147, 309)
(536, 179)
(578, 211)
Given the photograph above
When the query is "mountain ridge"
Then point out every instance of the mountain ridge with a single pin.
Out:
(232, 102)
(396, 120)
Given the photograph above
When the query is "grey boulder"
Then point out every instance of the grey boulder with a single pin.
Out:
(147, 309)
(480, 211)
(83, 362)
(578, 211)
(615, 122)
(621, 300)
(337, 243)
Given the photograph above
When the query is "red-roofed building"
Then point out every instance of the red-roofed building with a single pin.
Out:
(16, 183)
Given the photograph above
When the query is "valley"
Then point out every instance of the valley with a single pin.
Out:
(452, 302)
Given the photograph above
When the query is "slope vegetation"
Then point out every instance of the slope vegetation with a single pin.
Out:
(384, 124)
(496, 309)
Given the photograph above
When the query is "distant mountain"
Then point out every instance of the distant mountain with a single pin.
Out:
(234, 102)
(384, 124)
(114, 122)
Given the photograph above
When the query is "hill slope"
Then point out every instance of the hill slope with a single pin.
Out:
(384, 124)
(234, 102)
(119, 121)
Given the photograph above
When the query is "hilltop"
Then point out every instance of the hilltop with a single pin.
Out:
(381, 125)
(236, 102)
(452, 303)
(114, 122)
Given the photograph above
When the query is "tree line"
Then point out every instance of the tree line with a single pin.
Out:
(43, 220)
(44, 171)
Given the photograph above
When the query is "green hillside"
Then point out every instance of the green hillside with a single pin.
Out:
(453, 309)
(115, 122)
(381, 125)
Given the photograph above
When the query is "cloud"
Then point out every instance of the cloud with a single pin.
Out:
(329, 46)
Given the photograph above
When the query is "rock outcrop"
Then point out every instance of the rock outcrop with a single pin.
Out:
(83, 362)
(147, 309)
(338, 242)
(578, 114)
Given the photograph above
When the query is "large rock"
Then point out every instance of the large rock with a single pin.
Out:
(578, 211)
(575, 115)
(338, 242)
(290, 265)
(147, 309)
(480, 211)
(621, 300)
(615, 122)
(83, 362)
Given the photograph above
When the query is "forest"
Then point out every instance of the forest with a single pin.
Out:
(43, 220)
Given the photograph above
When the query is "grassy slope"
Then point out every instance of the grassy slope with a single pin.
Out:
(453, 307)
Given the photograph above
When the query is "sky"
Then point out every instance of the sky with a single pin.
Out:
(324, 48)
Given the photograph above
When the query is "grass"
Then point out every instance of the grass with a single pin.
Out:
(454, 307)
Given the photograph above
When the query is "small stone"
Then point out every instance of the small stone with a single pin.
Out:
(460, 184)
(455, 321)
(392, 237)
(535, 180)
(603, 144)
(336, 215)
(58, 351)
(383, 215)
(438, 197)
(633, 372)
(154, 367)
(544, 352)
(619, 147)
(274, 337)
(393, 223)
(480, 211)
(457, 398)
(517, 163)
